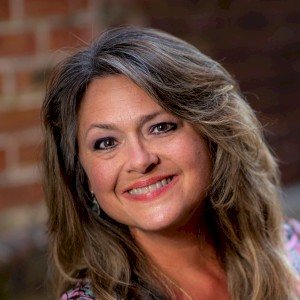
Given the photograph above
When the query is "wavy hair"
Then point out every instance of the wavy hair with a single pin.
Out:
(243, 208)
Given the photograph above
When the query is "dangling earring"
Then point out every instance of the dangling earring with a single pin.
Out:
(95, 205)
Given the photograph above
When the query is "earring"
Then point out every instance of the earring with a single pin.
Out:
(95, 205)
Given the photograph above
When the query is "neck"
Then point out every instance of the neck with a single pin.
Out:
(185, 260)
(188, 246)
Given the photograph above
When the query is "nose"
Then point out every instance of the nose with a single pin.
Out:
(141, 158)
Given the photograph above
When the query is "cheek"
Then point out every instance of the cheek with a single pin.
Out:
(101, 177)
(195, 161)
(192, 151)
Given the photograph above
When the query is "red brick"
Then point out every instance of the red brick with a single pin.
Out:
(20, 195)
(29, 153)
(70, 37)
(38, 8)
(17, 44)
(2, 159)
(4, 9)
(30, 80)
(15, 120)
(79, 5)
(1, 84)
(24, 80)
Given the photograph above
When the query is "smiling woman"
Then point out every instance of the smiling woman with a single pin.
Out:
(157, 179)
(141, 161)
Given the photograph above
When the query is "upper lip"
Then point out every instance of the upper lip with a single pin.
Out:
(146, 182)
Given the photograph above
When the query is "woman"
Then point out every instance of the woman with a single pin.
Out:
(158, 181)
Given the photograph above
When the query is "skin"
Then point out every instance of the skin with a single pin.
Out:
(128, 142)
(145, 144)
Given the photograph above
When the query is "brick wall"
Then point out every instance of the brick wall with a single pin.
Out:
(34, 35)
(31, 32)
(258, 41)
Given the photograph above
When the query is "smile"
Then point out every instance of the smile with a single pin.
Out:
(150, 188)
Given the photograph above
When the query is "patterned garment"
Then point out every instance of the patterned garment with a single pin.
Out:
(292, 236)
(80, 292)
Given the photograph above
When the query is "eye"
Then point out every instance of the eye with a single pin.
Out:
(162, 128)
(105, 143)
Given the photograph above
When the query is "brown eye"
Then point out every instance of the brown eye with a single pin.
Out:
(162, 128)
(105, 143)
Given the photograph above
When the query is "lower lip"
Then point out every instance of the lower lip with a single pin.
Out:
(154, 194)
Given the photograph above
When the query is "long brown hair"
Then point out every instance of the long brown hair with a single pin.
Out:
(243, 206)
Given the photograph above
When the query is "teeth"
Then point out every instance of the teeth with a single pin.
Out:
(150, 188)
(159, 185)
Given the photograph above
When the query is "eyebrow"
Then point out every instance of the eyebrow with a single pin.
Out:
(140, 122)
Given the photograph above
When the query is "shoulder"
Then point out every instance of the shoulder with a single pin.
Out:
(292, 242)
(82, 291)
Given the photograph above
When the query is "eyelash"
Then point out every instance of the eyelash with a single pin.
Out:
(169, 127)
(97, 145)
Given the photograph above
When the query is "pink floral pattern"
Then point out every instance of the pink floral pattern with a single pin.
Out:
(292, 237)
(82, 291)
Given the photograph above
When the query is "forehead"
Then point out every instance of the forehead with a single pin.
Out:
(114, 98)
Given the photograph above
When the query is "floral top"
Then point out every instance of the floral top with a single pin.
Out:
(292, 236)
(80, 292)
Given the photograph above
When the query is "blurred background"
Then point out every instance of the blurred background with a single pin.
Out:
(258, 41)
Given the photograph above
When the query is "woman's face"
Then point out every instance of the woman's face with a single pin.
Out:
(147, 168)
